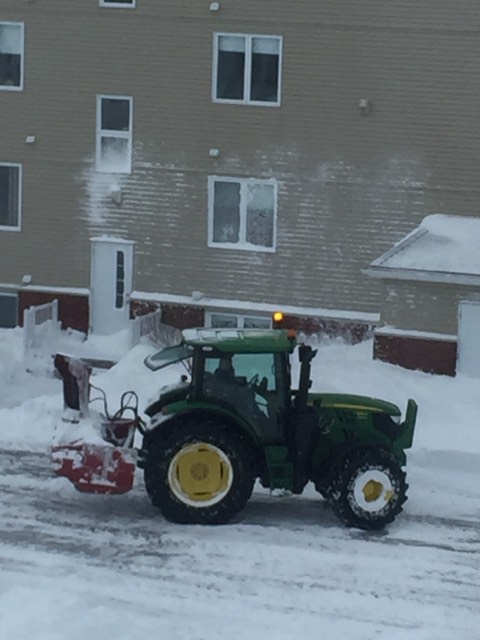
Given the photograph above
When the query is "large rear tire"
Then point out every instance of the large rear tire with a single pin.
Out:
(202, 473)
(368, 489)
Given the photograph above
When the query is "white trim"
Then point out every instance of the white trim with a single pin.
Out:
(111, 4)
(18, 226)
(81, 291)
(110, 133)
(111, 239)
(418, 275)
(245, 306)
(467, 353)
(248, 69)
(22, 56)
(242, 244)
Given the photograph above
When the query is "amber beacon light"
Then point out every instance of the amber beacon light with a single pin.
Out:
(277, 319)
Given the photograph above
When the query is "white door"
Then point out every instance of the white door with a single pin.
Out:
(110, 284)
(468, 348)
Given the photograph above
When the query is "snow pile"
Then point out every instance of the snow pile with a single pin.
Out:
(441, 243)
(31, 407)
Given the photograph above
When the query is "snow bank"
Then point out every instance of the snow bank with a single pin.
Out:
(31, 406)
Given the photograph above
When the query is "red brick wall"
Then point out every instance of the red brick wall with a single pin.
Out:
(183, 317)
(72, 309)
(429, 355)
(354, 331)
(175, 315)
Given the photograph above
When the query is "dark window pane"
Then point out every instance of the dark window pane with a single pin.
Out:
(256, 323)
(224, 322)
(10, 67)
(226, 212)
(260, 215)
(9, 177)
(231, 70)
(231, 67)
(115, 114)
(265, 68)
(120, 283)
(264, 86)
(8, 311)
(118, 1)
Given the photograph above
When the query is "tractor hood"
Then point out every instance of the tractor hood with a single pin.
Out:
(352, 403)
(168, 394)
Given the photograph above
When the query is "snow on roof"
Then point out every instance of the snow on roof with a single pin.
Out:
(442, 243)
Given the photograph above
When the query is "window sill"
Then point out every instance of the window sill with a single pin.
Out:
(10, 229)
(242, 247)
(114, 5)
(247, 103)
(126, 172)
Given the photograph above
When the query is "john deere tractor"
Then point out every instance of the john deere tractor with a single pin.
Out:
(236, 418)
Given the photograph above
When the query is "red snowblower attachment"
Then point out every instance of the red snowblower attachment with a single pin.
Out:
(96, 452)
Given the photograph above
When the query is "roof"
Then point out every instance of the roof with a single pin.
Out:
(242, 340)
(443, 248)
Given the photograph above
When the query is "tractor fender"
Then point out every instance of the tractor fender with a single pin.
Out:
(163, 424)
(325, 463)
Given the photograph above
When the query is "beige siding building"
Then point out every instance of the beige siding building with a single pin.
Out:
(430, 307)
(231, 157)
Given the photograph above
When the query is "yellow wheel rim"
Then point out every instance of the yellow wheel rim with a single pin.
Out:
(372, 490)
(200, 474)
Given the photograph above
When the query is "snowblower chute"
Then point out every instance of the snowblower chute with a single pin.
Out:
(96, 451)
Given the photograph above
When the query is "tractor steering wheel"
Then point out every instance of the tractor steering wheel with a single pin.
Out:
(261, 387)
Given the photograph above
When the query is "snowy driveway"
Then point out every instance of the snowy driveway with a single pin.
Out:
(77, 566)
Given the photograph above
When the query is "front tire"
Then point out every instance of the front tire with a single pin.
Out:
(368, 489)
(202, 473)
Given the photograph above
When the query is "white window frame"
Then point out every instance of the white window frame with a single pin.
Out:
(117, 5)
(240, 318)
(242, 244)
(18, 226)
(22, 62)
(109, 133)
(248, 69)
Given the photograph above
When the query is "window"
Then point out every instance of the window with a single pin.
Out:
(120, 281)
(246, 69)
(10, 196)
(246, 365)
(8, 310)
(119, 4)
(114, 134)
(220, 320)
(242, 213)
(11, 56)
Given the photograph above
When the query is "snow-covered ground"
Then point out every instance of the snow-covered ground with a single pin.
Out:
(74, 566)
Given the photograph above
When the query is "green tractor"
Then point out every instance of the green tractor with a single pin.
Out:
(236, 418)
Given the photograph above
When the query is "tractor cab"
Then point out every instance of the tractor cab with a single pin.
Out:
(244, 374)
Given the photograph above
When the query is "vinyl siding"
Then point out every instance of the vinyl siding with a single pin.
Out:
(423, 306)
(350, 185)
